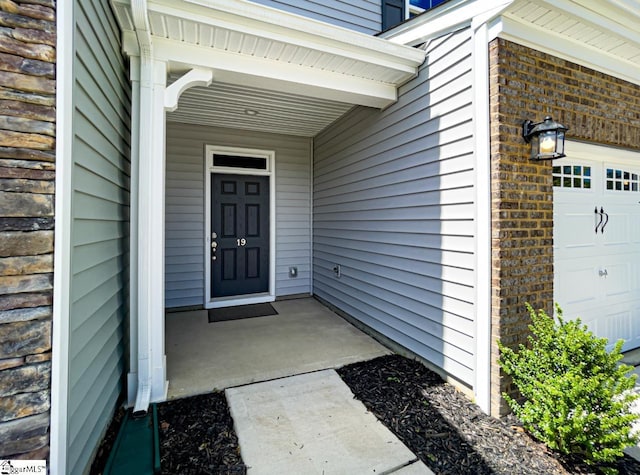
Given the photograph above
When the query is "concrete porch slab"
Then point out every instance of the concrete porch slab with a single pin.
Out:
(312, 424)
(305, 336)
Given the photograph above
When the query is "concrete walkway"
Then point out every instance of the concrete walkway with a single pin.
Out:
(311, 424)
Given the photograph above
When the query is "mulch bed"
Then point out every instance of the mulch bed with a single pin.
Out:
(197, 437)
(448, 432)
(434, 420)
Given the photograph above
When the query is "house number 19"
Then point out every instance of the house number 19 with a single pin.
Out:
(241, 242)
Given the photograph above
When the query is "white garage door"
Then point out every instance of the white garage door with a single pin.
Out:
(597, 240)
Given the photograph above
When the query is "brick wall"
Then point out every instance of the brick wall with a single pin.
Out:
(528, 84)
(27, 142)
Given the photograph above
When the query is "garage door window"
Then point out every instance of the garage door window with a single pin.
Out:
(622, 180)
(572, 176)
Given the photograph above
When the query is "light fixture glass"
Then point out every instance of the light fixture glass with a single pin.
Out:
(546, 138)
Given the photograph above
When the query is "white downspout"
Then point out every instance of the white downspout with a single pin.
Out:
(132, 377)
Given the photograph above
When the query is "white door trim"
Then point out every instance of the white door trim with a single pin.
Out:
(270, 171)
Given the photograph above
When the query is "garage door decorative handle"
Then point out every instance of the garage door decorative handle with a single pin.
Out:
(606, 220)
(603, 217)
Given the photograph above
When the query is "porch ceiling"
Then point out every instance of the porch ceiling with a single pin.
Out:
(241, 107)
(247, 44)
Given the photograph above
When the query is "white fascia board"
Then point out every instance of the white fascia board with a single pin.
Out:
(284, 77)
(448, 17)
(578, 52)
(278, 25)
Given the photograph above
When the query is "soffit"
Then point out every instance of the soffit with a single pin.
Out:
(605, 27)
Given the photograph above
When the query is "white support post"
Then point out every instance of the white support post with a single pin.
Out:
(154, 236)
(152, 380)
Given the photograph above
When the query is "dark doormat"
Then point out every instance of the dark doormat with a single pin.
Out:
(242, 311)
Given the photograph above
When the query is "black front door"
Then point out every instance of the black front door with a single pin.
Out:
(239, 234)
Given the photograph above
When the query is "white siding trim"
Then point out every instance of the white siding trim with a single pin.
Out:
(270, 155)
(482, 388)
(62, 236)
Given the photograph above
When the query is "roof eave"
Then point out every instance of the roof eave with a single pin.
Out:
(390, 64)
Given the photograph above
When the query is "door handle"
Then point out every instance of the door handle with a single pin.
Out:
(603, 273)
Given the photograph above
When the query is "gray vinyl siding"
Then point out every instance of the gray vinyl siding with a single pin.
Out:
(99, 307)
(364, 15)
(394, 206)
(185, 201)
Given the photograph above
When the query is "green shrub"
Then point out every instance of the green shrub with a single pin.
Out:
(577, 396)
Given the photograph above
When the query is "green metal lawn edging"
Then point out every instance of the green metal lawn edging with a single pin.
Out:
(136, 450)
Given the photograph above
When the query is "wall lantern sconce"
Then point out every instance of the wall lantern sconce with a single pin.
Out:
(546, 138)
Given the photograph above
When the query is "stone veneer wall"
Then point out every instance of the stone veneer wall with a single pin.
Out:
(528, 84)
(27, 143)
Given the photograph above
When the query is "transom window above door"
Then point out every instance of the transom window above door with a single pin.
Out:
(222, 159)
(238, 161)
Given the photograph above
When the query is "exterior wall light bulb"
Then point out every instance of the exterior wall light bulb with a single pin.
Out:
(547, 144)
